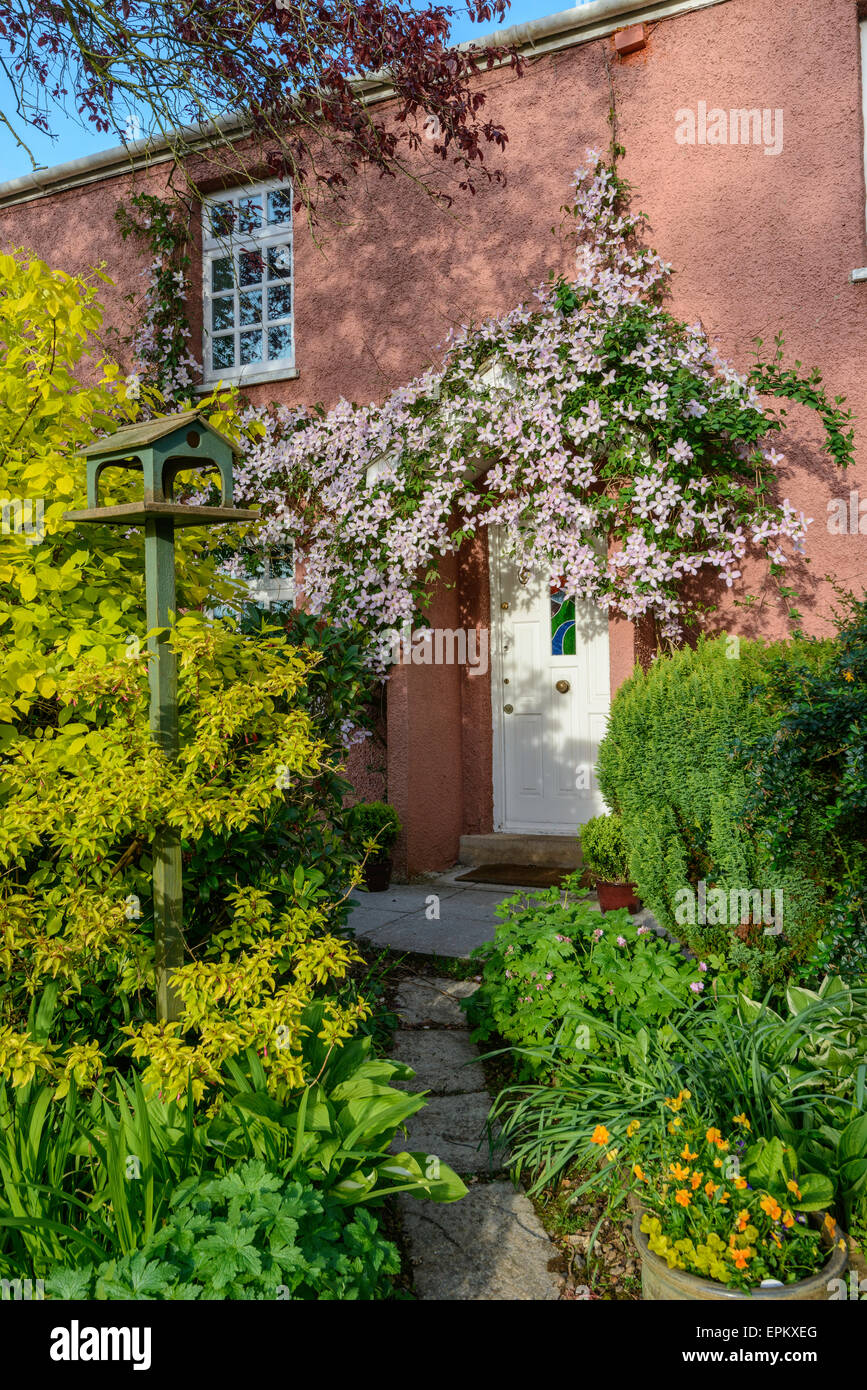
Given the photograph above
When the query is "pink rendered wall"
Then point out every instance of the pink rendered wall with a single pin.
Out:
(758, 242)
(425, 747)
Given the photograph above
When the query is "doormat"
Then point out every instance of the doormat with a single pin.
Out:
(516, 875)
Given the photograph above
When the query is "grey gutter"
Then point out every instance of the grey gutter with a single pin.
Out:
(581, 24)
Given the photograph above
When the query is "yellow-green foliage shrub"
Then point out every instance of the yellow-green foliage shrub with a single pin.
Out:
(82, 787)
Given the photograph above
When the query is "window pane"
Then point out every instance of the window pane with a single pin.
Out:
(280, 341)
(280, 206)
(251, 347)
(562, 624)
(223, 352)
(250, 268)
(279, 262)
(251, 307)
(221, 274)
(279, 301)
(250, 214)
(222, 219)
(223, 313)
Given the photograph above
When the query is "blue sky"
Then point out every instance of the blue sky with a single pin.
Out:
(75, 141)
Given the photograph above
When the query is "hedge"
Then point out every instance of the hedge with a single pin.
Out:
(672, 764)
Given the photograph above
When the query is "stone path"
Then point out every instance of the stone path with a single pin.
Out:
(489, 1245)
(436, 917)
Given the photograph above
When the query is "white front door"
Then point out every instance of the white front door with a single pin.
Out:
(550, 694)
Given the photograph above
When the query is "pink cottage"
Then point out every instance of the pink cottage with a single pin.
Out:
(743, 125)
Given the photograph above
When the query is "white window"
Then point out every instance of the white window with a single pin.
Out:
(248, 290)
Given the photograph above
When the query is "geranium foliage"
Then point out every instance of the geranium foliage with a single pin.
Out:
(615, 447)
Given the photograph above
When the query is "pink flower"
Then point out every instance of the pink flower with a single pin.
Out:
(598, 934)
(697, 986)
(702, 965)
(621, 941)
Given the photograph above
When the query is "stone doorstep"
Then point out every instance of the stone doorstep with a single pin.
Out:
(556, 851)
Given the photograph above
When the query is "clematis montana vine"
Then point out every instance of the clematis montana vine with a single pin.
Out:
(610, 441)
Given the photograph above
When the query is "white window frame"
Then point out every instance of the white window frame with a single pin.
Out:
(235, 242)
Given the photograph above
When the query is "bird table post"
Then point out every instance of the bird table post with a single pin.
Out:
(161, 449)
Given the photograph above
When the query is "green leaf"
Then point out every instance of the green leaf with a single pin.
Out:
(853, 1140)
(817, 1192)
(799, 999)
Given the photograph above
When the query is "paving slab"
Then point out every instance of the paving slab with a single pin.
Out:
(452, 1128)
(457, 938)
(488, 1246)
(433, 1001)
(367, 924)
(472, 902)
(444, 1061)
(403, 897)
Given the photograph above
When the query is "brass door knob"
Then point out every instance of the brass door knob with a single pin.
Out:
(563, 686)
(507, 709)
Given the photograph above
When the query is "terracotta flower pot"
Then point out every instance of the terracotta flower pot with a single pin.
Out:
(660, 1284)
(615, 895)
(377, 875)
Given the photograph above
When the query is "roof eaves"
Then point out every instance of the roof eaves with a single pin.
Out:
(581, 24)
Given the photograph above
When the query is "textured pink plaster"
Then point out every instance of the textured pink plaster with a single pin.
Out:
(424, 747)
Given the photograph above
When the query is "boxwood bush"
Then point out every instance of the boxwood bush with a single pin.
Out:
(604, 850)
(808, 785)
(672, 765)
